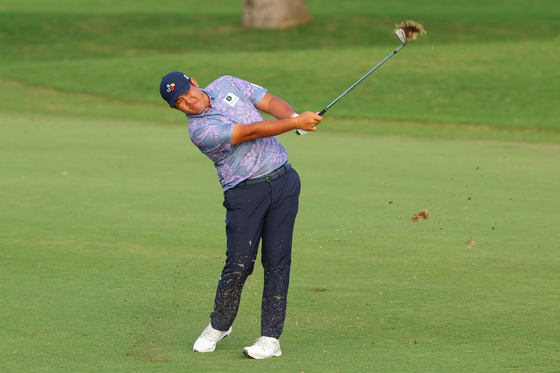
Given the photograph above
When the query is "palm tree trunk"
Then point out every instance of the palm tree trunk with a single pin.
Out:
(275, 14)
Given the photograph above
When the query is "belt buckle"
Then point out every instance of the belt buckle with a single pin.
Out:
(266, 178)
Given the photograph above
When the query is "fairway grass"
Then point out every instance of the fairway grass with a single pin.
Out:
(111, 221)
(113, 243)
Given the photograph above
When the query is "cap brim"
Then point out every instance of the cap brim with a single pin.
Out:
(179, 92)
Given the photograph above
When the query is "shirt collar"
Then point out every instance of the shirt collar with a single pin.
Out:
(211, 93)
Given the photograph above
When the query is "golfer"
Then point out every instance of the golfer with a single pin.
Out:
(261, 191)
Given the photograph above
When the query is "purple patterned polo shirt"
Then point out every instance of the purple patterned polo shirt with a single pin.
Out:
(233, 101)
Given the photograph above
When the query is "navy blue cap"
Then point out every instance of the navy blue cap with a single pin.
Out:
(173, 85)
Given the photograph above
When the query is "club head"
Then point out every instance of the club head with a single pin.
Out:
(401, 35)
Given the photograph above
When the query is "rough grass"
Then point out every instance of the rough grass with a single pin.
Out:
(447, 84)
(496, 67)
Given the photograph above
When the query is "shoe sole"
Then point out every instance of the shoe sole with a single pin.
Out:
(246, 353)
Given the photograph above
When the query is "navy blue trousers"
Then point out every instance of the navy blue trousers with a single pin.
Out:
(267, 212)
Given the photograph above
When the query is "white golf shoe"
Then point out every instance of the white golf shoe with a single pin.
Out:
(208, 339)
(263, 348)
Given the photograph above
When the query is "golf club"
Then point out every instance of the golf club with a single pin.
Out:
(403, 32)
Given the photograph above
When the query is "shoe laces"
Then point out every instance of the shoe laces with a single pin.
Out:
(264, 343)
(211, 334)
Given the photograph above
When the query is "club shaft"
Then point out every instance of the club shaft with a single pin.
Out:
(302, 132)
(359, 81)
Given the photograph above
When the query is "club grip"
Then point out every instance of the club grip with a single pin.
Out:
(299, 131)
(323, 112)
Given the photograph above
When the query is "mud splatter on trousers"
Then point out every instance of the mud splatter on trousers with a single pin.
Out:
(261, 212)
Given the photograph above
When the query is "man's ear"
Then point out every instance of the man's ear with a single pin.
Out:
(193, 82)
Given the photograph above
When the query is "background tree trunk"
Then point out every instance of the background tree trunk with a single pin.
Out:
(276, 14)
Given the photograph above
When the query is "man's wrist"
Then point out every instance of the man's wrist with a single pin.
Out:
(295, 115)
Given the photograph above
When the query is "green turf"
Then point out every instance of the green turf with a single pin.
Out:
(112, 229)
(496, 67)
(113, 253)
(449, 84)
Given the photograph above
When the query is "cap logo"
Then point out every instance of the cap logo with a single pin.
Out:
(171, 87)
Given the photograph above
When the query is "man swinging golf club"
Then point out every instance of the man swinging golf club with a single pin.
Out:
(261, 191)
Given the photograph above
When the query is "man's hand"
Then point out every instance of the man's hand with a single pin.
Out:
(308, 121)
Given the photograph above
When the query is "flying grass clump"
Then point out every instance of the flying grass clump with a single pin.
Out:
(411, 29)
(421, 215)
(470, 243)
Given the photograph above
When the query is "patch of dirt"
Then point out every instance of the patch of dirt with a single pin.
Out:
(153, 358)
(319, 289)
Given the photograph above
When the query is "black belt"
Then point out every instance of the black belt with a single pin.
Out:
(269, 177)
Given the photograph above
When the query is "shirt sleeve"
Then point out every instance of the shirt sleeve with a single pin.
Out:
(213, 139)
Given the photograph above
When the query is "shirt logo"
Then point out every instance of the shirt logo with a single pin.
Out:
(231, 99)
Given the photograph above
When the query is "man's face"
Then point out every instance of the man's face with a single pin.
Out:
(194, 101)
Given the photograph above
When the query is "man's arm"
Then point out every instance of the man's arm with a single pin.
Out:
(279, 109)
(276, 107)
